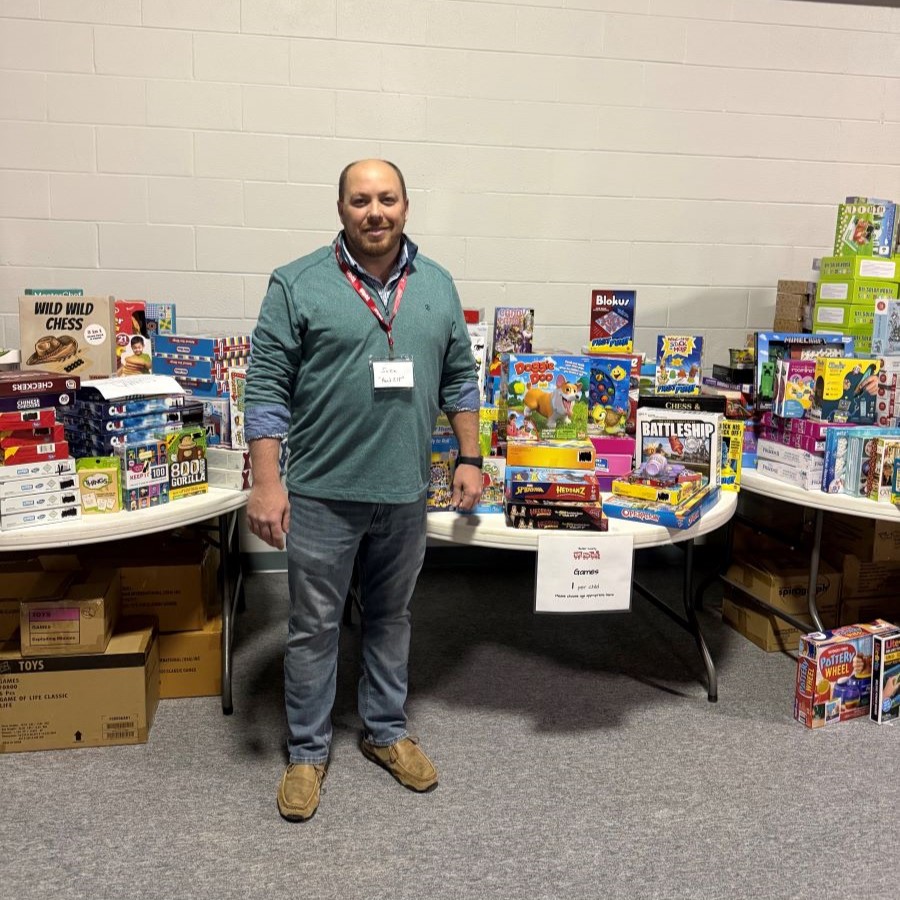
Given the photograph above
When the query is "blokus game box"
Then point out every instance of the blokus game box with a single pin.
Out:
(612, 321)
(68, 335)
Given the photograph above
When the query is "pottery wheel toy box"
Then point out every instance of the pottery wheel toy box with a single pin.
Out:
(834, 673)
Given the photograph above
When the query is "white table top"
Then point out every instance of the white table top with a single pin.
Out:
(94, 529)
(491, 530)
(753, 481)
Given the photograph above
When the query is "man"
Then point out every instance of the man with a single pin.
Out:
(357, 347)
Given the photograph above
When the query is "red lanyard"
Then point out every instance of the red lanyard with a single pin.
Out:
(386, 324)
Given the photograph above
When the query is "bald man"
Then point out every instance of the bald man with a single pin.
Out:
(357, 347)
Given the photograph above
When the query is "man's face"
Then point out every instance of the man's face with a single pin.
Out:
(373, 211)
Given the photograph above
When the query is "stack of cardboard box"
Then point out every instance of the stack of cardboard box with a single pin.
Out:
(72, 673)
(867, 552)
(793, 305)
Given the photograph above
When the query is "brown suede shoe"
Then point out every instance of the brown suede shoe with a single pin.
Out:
(405, 761)
(298, 793)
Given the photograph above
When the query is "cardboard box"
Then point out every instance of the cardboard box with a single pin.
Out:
(190, 662)
(867, 579)
(79, 620)
(762, 627)
(783, 582)
(867, 609)
(62, 702)
(871, 540)
(834, 673)
(841, 268)
(179, 589)
(22, 580)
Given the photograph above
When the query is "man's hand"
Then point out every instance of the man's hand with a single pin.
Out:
(467, 485)
(269, 513)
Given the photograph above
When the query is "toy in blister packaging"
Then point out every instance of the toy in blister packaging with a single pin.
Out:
(609, 396)
(612, 321)
(543, 397)
(834, 673)
(845, 390)
(678, 362)
(885, 705)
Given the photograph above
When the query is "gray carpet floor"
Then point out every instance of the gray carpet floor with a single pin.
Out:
(579, 758)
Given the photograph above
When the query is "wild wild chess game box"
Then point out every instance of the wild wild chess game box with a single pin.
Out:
(68, 335)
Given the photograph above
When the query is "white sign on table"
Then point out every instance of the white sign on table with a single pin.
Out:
(583, 573)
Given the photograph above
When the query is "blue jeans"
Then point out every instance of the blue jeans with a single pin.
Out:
(324, 539)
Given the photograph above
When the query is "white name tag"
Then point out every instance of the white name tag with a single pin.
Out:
(392, 373)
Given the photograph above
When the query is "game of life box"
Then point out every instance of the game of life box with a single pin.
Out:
(834, 673)
(885, 705)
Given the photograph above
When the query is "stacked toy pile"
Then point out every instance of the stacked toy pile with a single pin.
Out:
(212, 369)
(37, 473)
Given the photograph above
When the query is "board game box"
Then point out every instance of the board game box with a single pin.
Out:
(612, 321)
(691, 439)
(68, 335)
(527, 484)
(543, 397)
(678, 362)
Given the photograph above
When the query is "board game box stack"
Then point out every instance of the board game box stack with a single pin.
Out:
(37, 471)
(553, 485)
(202, 365)
(677, 474)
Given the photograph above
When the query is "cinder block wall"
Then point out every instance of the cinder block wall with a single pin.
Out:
(692, 149)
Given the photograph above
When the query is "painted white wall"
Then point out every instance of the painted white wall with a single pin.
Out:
(694, 150)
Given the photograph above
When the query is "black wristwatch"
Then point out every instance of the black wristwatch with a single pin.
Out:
(477, 461)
